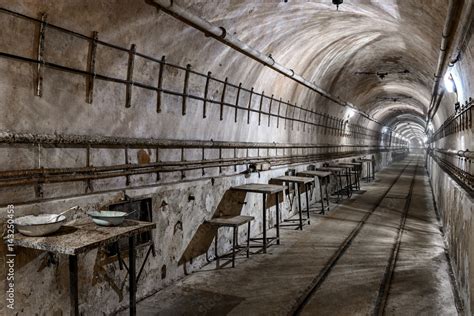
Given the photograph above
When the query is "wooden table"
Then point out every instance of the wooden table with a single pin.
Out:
(323, 178)
(298, 181)
(265, 189)
(81, 236)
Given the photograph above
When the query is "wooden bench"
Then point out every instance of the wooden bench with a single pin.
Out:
(234, 222)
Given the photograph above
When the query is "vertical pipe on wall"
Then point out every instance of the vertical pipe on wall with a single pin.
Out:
(185, 88)
(91, 67)
(206, 91)
(131, 62)
(39, 56)
(160, 84)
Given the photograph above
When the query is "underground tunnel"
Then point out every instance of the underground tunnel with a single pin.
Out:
(236, 157)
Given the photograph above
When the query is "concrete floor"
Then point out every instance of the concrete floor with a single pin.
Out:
(275, 283)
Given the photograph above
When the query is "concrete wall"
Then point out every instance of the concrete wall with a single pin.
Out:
(42, 282)
(455, 205)
(456, 211)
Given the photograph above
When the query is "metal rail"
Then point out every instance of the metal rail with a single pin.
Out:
(297, 308)
(455, 153)
(55, 175)
(457, 165)
(274, 153)
(8, 137)
(330, 125)
(384, 289)
(458, 122)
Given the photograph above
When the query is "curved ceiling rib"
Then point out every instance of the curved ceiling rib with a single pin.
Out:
(407, 117)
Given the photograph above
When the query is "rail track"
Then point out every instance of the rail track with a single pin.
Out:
(384, 289)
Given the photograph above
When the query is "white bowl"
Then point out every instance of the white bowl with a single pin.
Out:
(107, 218)
(39, 225)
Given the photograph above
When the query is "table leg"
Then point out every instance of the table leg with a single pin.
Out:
(264, 223)
(307, 201)
(299, 205)
(346, 188)
(373, 170)
(277, 218)
(369, 168)
(322, 196)
(358, 180)
(349, 176)
(368, 171)
(215, 248)
(326, 183)
(73, 285)
(339, 177)
(234, 245)
(132, 275)
(248, 240)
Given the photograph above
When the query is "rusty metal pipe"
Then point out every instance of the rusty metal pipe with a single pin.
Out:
(8, 137)
(161, 165)
(44, 177)
(220, 34)
(446, 48)
(455, 152)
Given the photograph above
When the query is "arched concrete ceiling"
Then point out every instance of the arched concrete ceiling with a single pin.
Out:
(332, 48)
(410, 130)
(406, 117)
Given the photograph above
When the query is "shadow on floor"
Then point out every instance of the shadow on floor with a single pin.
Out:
(187, 302)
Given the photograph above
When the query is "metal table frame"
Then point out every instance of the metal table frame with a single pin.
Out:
(45, 244)
(370, 169)
(221, 222)
(297, 181)
(324, 179)
(357, 171)
(337, 172)
(265, 189)
(352, 169)
(348, 187)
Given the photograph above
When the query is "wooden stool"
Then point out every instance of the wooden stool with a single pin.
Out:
(234, 222)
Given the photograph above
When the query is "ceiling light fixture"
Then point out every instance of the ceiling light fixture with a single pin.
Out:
(350, 113)
(449, 83)
(430, 127)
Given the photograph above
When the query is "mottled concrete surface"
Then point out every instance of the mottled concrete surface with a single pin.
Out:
(270, 284)
(455, 210)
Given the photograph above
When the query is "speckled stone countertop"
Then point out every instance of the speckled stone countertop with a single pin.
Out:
(81, 236)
